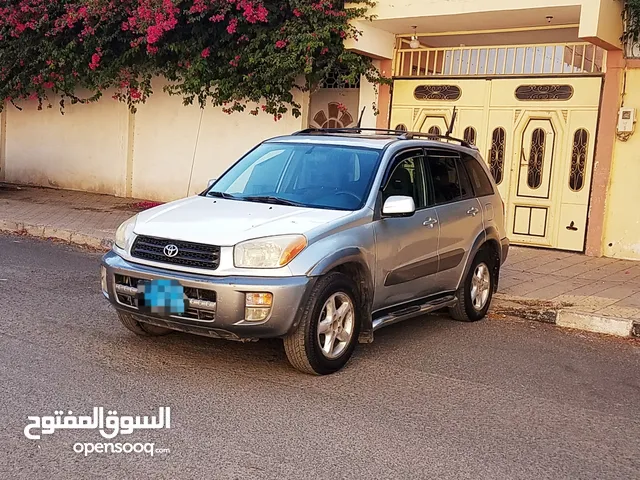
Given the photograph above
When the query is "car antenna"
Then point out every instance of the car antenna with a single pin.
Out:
(453, 121)
(361, 115)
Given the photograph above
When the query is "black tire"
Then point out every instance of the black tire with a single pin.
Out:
(142, 329)
(464, 310)
(302, 346)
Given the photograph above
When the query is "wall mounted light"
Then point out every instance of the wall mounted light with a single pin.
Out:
(414, 43)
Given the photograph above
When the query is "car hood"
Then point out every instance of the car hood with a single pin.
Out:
(225, 222)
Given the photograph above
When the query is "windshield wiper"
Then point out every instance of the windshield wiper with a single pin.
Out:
(272, 199)
(222, 195)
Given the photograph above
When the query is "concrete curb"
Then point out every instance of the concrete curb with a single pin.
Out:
(619, 327)
(68, 236)
(548, 312)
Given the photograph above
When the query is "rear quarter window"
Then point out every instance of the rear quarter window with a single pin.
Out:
(479, 179)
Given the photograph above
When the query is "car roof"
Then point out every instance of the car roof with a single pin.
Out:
(374, 141)
(377, 142)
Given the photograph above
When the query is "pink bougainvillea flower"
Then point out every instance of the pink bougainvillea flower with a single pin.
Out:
(95, 61)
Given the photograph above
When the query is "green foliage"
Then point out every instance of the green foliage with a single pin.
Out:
(224, 52)
(632, 17)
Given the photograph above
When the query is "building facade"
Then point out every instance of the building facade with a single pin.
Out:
(538, 86)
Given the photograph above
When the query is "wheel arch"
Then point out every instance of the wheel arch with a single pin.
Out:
(351, 261)
(488, 239)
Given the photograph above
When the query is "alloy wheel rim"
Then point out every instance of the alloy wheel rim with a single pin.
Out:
(336, 325)
(480, 286)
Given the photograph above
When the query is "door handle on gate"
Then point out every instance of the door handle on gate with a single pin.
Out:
(430, 222)
(473, 211)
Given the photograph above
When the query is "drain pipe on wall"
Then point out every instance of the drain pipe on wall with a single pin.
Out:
(195, 150)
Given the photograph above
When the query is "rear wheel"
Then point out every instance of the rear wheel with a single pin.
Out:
(328, 331)
(476, 292)
(140, 328)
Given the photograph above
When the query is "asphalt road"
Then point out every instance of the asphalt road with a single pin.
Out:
(431, 398)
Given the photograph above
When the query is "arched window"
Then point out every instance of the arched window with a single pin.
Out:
(496, 157)
(401, 127)
(578, 159)
(437, 92)
(544, 92)
(434, 130)
(470, 135)
(536, 158)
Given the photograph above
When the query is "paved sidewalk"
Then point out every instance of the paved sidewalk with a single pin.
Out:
(77, 217)
(545, 285)
(573, 282)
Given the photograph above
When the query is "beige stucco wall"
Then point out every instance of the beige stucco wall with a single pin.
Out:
(102, 148)
(372, 42)
(598, 20)
(84, 149)
(622, 218)
(170, 139)
(369, 94)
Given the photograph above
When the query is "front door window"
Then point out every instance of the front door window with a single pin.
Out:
(406, 180)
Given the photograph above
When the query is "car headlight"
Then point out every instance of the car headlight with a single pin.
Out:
(124, 232)
(269, 252)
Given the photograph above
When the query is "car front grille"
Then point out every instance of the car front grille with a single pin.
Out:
(201, 303)
(189, 254)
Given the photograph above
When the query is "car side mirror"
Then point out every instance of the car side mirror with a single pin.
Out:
(211, 182)
(399, 206)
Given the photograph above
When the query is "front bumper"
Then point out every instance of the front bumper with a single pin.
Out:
(222, 312)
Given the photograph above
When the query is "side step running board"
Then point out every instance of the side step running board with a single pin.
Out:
(413, 311)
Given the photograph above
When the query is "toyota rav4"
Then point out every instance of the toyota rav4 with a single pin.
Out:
(319, 238)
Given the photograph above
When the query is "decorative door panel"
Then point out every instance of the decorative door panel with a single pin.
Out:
(575, 179)
(498, 149)
(432, 122)
(536, 134)
(537, 153)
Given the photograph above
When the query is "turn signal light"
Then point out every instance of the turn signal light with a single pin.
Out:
(257, 306)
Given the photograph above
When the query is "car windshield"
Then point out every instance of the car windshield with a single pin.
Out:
(308, 175)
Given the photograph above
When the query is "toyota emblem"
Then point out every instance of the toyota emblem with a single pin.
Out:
(170, 250)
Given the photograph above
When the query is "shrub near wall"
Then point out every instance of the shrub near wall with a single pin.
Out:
(226, 52)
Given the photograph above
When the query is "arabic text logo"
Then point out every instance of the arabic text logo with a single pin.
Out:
(109, 426)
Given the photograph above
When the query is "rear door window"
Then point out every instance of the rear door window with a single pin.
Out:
(445, 178)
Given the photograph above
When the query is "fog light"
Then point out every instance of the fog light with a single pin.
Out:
(103, 281)
(254, 314)
(258, 299)
(257, 306)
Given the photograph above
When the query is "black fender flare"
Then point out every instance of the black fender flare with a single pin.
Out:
(489, 234)
(351, 255)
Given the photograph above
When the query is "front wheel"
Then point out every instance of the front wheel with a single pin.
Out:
(329, 327)
(476, 292)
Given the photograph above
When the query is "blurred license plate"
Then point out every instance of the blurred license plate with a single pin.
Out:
(162, 297)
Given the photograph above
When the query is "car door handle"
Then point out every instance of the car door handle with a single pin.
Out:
(473, 211)
(430, 222)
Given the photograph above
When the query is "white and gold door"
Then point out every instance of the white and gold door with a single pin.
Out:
(549, 159)
(537, 136)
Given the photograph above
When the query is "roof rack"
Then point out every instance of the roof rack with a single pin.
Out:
(306, 131)
(400, 134)
(433, 136)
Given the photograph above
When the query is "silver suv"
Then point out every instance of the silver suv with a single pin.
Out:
(319, 238)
